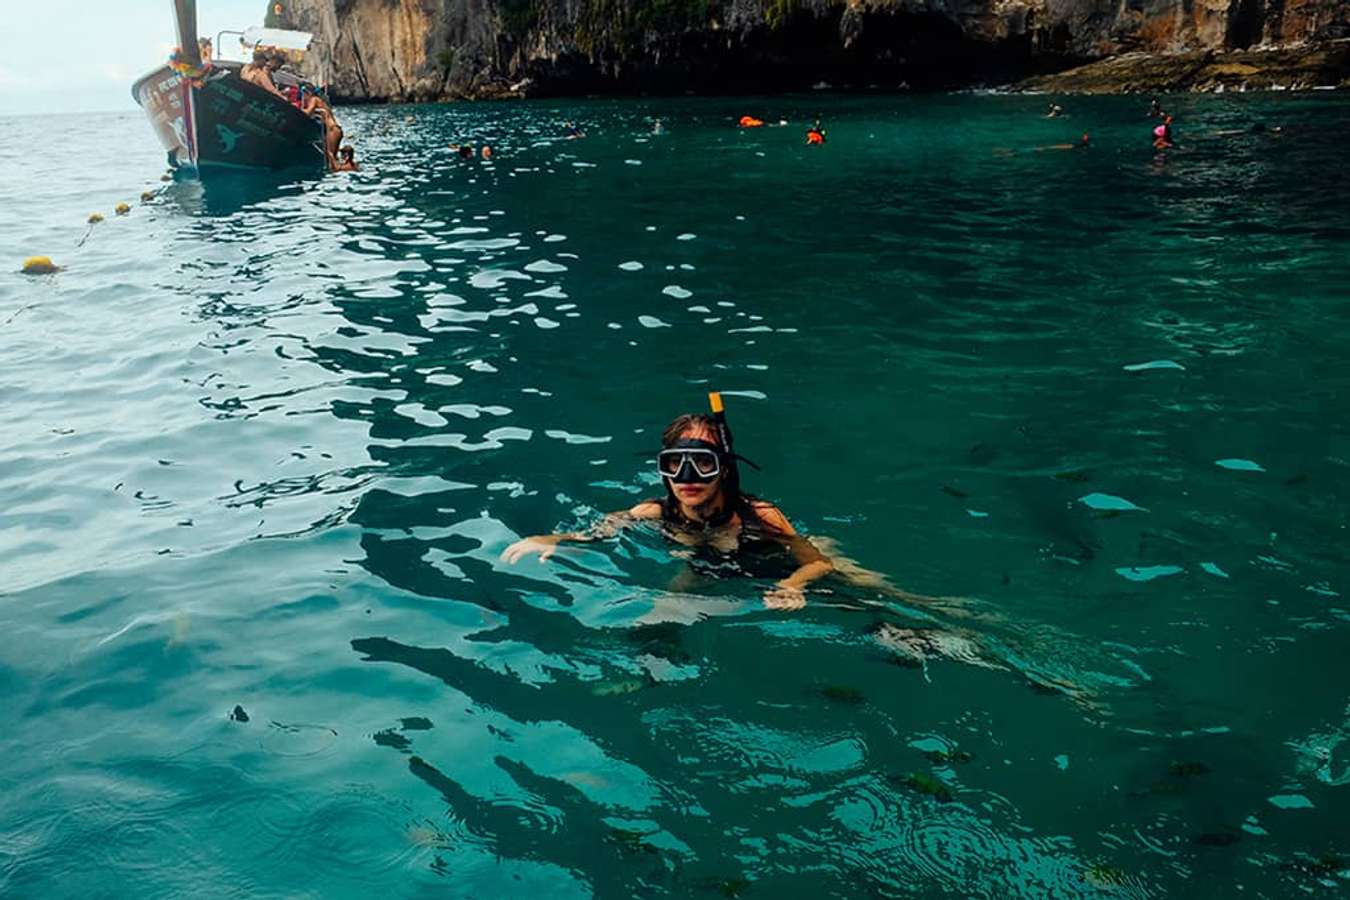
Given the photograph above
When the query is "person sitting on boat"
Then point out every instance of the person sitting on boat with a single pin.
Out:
(204, 52)
(260, 71)
(704, 509)
(311, 101)
(347, 159)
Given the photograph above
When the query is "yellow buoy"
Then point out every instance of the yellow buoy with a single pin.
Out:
(95, 218)
(147, 196)
(121, 209)
(39, 265)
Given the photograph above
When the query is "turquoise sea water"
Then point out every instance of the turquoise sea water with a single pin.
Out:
(264, 441)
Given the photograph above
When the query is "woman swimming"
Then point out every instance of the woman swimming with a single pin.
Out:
(720, 528)
(705, 509)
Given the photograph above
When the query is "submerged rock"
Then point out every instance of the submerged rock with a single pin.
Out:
(238, 715)
(840, 693)
(925, 784)
(948, 757)
(1105, 877)
(1223, 837)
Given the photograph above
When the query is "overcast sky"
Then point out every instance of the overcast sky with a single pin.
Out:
(66, 56)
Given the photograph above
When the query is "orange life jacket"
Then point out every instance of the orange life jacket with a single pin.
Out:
(815, 137)
(751, 122)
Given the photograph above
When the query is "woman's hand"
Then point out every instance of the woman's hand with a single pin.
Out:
(545, 545)
(785, 595)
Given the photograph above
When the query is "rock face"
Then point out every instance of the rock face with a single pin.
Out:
(380, 50)
(1275, 68)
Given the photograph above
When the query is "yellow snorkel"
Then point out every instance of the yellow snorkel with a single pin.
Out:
(724, 432)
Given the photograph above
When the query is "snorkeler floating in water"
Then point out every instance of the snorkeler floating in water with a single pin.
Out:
(704, 507)
(815, 134)
(750, 122)
(1162, 135)
(722, 530)
(1256, 128)
(1081, 144)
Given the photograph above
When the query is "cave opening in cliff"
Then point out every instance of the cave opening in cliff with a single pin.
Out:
(1245, 24)
(882, 50)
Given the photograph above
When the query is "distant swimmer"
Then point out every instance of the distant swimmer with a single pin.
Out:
(463, 151)
(1162, 135)
(487, 151)
(347, 160)
(1254, 128)
(658, 128)
(704, 509)
(1155, 110)
(573, 131)
(750, 122)
(1081, 144)
(815, 134)
(1055, 111)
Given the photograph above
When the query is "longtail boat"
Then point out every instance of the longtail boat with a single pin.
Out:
(209, 119)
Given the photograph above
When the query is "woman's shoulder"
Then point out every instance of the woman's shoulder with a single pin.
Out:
(647, 509)
(771, 516)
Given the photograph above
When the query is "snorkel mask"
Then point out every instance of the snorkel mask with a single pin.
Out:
(690, 461)
(695, 461)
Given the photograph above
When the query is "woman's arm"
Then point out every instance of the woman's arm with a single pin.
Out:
(265, 82)
(790, 592)
(547, 544)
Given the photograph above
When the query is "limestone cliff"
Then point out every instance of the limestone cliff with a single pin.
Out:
(376, 50)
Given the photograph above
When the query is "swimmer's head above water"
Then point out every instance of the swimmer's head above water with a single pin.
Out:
(694, 465)
(699, 466)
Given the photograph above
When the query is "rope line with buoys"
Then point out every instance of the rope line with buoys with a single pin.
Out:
(39, 265)
(43, 265)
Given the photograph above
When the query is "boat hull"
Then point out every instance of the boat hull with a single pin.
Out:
(224, 122)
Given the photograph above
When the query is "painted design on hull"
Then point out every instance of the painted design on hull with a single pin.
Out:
(160, 97)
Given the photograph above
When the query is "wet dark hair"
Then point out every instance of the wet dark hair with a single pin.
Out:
(259, 56)
(736, 501)
(347, 151)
